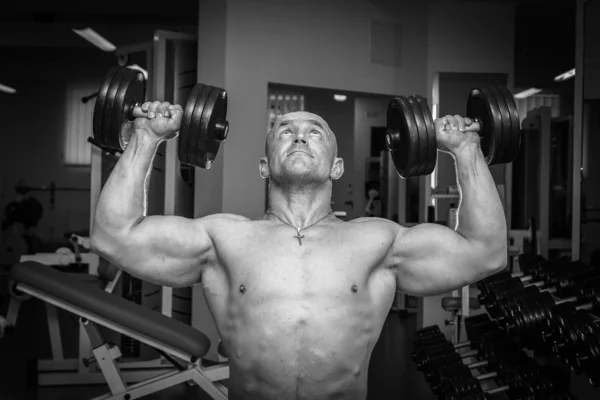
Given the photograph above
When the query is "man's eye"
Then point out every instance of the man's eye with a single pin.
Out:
(316, 132)
(286, 132)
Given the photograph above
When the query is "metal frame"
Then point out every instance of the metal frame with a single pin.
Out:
(116, 375)
(540, 119)
(578, 129)
(159, 74)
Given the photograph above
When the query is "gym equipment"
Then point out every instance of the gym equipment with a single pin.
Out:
(411, 137)
(565, 324)
(523, 383)
(503, 366)
(203, 124)
(173, 339)
(23, 189)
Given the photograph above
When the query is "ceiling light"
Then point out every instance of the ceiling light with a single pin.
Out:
(339, 97)
(565, 75)
(526, 93)
(7, 89)
(94, 38)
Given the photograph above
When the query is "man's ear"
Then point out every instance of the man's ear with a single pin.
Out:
(337, 170)
(263, 167)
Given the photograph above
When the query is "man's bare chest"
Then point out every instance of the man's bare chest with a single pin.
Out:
(275, 262)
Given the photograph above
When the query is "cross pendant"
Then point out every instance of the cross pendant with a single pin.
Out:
(299, 237)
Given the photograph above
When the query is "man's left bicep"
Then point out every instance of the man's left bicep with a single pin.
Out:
(433, 259)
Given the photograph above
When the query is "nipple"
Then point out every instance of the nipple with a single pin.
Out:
(242, 289)
(354, 288)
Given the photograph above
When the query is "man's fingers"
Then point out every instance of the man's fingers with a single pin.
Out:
(162, 110)
(451, 122)
(460, 122)
(152, 109)
(439, 124)
(176, 115)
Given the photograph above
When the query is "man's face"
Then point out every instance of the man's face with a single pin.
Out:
(301, 149)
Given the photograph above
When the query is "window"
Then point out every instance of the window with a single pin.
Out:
(78, 124)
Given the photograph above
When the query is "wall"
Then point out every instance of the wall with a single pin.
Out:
(339, 118)
(368, 112)
(470, 36)
(308, 43)
(33, 131)
(591, 137)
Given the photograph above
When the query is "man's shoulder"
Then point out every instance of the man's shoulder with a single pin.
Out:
(224, 216)
(375, 223)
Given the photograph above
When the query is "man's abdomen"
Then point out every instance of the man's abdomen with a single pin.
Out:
(311, 348)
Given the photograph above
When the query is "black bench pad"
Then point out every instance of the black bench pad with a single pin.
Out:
(114, 308)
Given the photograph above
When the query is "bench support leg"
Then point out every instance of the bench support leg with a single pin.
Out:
(105, 358)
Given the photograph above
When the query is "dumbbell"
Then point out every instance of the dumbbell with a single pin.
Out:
(522, 382)
(487, 344)
(492, 289)
(203, 125)
(552, 283)
(424, 354)
(411, 137)
(502, 359)
(573, 337)
(440, 345)
(565, 285)
(520, 362)
(503, 309)
(528, 316)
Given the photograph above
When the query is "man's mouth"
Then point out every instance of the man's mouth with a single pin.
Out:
(300, 151)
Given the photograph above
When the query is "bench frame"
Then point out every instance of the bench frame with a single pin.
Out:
(149, 377)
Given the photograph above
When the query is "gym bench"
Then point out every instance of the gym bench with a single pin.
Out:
(176, 341)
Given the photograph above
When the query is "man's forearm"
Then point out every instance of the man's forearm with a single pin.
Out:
(480, 214)
(123, 201)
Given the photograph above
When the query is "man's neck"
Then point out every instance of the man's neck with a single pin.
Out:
(300, 207)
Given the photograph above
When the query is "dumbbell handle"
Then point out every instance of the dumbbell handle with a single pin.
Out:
(474, 126)
(137, 112)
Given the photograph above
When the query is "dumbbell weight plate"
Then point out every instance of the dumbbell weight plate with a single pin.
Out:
(207, 127)
(416, 150)
(121, 89)
(412, 132)
(483, 106)
(401, 139)
(132, 92)
(515, 123)
(210, 140)
(190, 123)
(99, 106)
(506, 123)
(107, 109)
(432, 138)
(424, 142)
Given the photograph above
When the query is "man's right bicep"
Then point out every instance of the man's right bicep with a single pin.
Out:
(167, 250)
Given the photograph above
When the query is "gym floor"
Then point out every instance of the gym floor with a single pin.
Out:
(392, 374)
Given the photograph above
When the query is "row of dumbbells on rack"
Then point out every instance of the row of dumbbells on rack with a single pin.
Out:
(500, 365)
(552, 308)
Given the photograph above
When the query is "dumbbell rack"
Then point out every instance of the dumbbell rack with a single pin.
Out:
(547, 341)
(545, 329)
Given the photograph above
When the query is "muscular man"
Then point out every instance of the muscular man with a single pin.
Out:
(299, 297)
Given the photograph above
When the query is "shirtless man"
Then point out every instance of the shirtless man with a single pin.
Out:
(299, 297)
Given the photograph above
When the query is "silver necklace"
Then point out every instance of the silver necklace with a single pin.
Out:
(299, 236)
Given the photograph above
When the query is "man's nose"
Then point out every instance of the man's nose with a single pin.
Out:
(300, 138)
